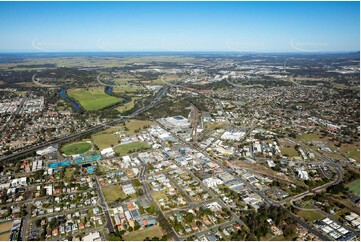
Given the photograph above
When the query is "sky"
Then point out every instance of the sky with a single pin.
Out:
(179, 26)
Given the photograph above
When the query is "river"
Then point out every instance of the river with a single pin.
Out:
(73, 103)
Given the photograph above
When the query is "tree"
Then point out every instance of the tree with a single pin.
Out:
(136, 183)
(189, 217)
(53, 223)
(289, 231)
(38, 222)
(140, 192)
(136, 226)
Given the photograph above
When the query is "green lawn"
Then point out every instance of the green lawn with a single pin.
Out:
(76, 148)
(112, 193)
(139, 235)
(128, 148)
(310, 215)
(289, 151)
(355, 186)
(93, 98)
(310, 137)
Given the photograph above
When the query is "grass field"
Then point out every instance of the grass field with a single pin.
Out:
(107, 138)
(125, 86)
(212, 126)
(159, 194)
(351, 151)
(93, 98)
(139, 235)
(355, 186)
(289, 151)
(127, 106)
(69, 173)
(134, 124)
(165, 79)
(104, 140)
(76, 148)
(310, 215)
(127, 148)
(112, 193)
(310, 137)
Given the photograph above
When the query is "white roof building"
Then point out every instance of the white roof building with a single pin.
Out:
(92, 237)
(212, 182)
(107, 152)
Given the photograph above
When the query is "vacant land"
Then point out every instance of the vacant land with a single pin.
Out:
(351, 151)
(286, 147)
(134, 125)
(289, 151)
(310, 137)
(159, 195)
(310, 215)
(69, 172)
(163, 80)
(104, 140)
(126, 86)
(127, 106)
(215, 125)
(131, 147)
(76, 148)
(93, 98)
(150, 232)
(107, 138)
(112, 193)
(355, 186)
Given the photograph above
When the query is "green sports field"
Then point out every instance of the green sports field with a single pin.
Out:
(355, 186)
(92, 99)
(76, 148)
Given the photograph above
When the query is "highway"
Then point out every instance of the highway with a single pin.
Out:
(26, 151)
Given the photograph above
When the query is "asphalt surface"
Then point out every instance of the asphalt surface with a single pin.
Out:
(103, 203)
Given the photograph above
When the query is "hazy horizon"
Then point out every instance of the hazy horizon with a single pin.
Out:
(262, 27)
